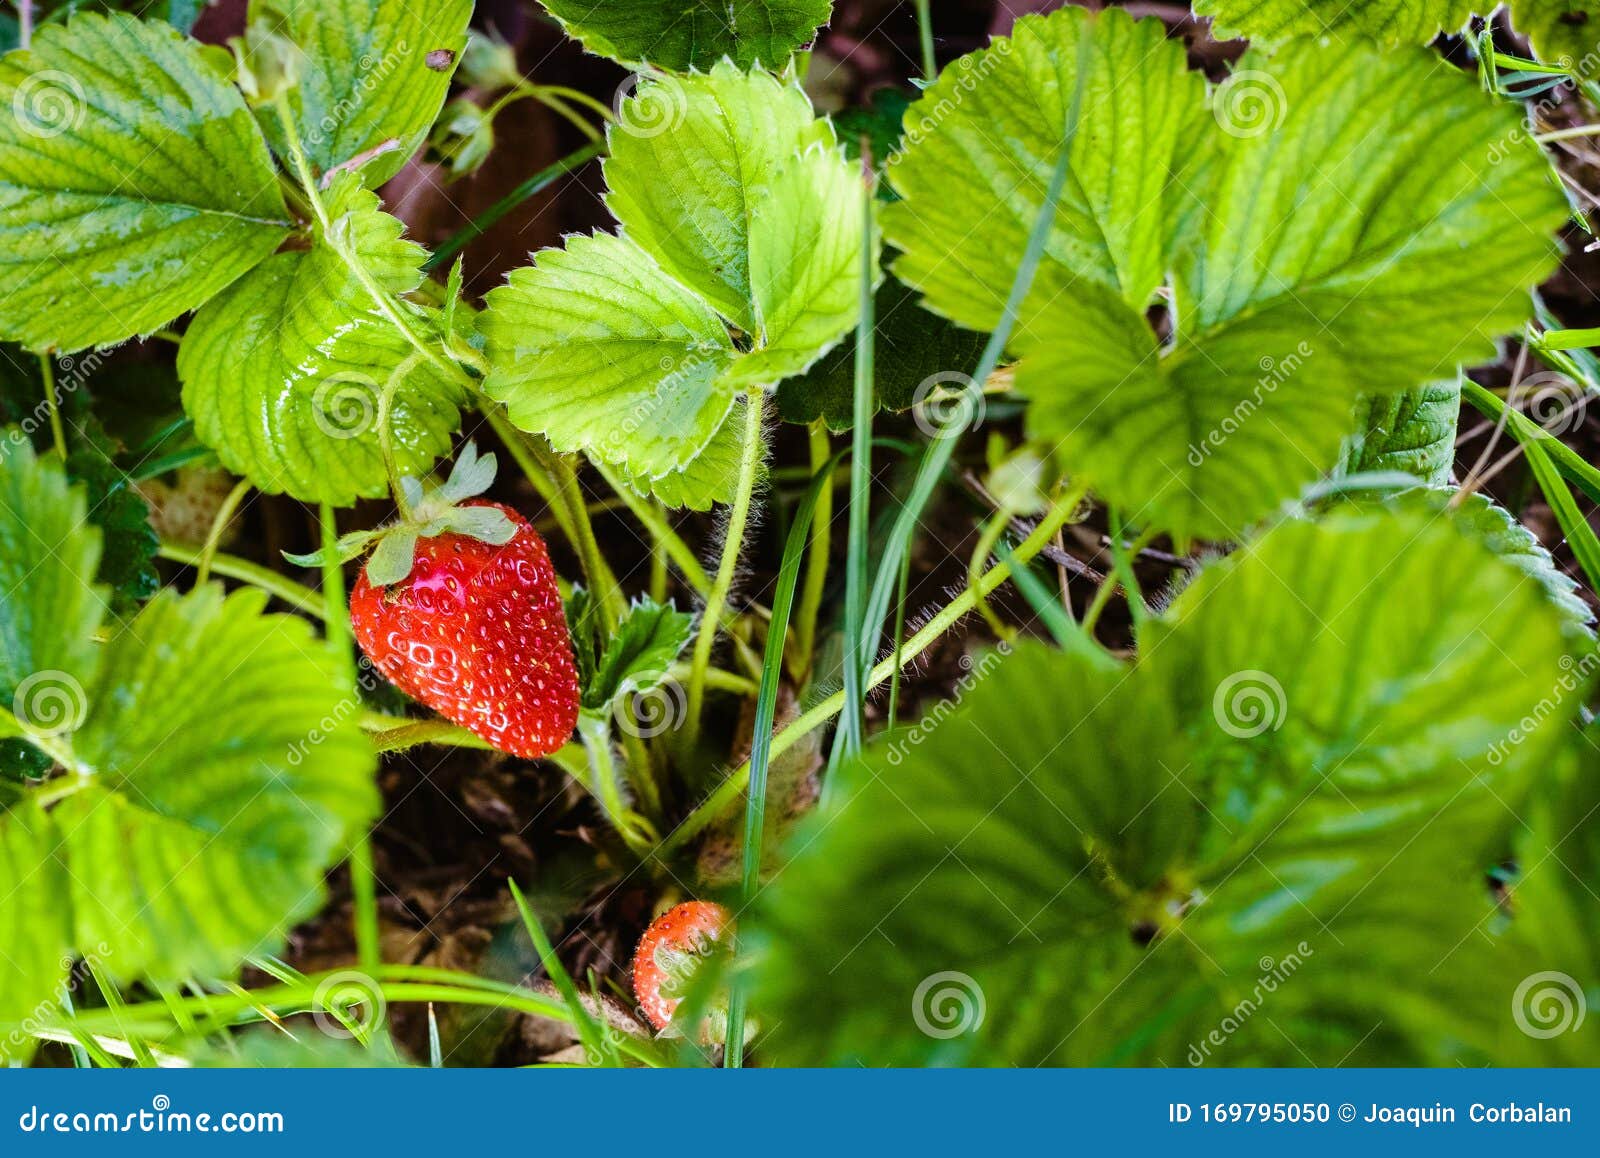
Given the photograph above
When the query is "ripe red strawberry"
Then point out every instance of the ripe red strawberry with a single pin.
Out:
(668, 953)
(477, 632)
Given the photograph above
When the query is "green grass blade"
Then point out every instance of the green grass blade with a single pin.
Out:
(1567, 461)
(435, 1053)
(1580, 535)
(858, 649)
(1065, 630)
(936, 458)
(596, 1042)
(755, 814)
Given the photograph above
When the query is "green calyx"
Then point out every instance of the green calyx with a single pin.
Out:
(425, 514)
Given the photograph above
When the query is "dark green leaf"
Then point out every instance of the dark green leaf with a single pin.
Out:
(641, 653)
(123, 205)
(694, 34)
(1414, 432)
(914, 347)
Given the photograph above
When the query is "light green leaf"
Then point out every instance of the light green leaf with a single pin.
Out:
(1498, 529)
(375, 71)
(134, 184)
(710, 477)
(50, 604)
(1298, 665)
(283, 373)
(737, 266)
(229, 774)
(35, 928)
(640, 654)
(990, 132)
(694, 34)
(1391, 21)
(1563, 32)
(1396, 258)
(1078, 865)
(691, 161)
(805, 266)
(1414, 432)
(598, 349)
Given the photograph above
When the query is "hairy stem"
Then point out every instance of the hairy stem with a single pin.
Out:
(732, 549)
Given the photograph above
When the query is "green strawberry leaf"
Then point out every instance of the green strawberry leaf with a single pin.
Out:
(1391, 263)
(1393, 21)
(1413, 432)
(1553, 902)
(601, 351)
(50, 602)
(1498, 529)
(121, 205)
(1563, 32)
(690, 162)
(283, 374)
(95, 458)
(913, 349)
(374, 72)
(737, 267)
(35, 927)
(1011, 885)
(641, 653)
(990, 131)
(709, 478)
(210, 819)
(1292, 661)
(696, 34)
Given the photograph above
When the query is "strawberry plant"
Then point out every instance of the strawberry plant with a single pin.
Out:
(619, 534)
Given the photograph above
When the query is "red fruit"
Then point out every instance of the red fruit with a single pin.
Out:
(478, 633)
(679, 939)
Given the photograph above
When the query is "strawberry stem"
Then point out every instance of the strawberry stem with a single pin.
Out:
(595, 732)
(732, 550)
